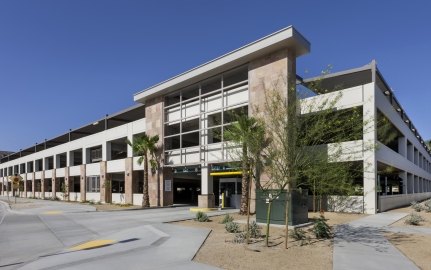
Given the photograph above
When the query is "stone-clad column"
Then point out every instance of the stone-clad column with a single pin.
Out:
(105, 184)
(25, 185)
(128, 180)
(83, 183)
(42, 184)
(159, 196)
(68, 183)
(54, 184)
(33, 185)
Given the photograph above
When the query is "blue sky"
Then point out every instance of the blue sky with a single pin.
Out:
(64, 63)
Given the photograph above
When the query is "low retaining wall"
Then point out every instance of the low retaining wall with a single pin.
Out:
(346, 204)
(396, 201)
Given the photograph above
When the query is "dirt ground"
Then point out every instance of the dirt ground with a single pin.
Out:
(424, 214)
(219, 250)
(415, 246)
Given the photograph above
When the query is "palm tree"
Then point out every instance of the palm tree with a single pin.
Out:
(145, 147)
(244, 132)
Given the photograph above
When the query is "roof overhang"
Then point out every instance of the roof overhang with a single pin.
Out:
(288, 37)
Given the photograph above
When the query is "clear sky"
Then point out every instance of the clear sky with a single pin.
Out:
(64, 63)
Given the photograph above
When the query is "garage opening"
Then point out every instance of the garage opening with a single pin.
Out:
(187, 185)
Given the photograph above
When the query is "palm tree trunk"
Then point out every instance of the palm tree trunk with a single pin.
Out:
(244, 183)
(146, 197)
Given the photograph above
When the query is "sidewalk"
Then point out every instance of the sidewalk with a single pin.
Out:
(360, 244)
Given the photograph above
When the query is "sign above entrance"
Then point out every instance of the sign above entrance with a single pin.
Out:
(187, 170)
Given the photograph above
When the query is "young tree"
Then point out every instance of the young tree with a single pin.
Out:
(243, 133)
(145, 147)
(307, 146)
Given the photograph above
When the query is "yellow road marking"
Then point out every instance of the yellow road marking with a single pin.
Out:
(202, 209)
(93, 244)
(52, 213)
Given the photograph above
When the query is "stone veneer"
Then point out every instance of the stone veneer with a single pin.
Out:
(273, 72)
(156, 181)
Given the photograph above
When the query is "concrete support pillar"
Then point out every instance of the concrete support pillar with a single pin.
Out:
(129, 148)
(370, 162)
(83, 179)
(25, 185)
(206, 199)
(33, 185)
(105, 184)
(55, 184)
(2, 186)
(67, 183)
(403, 175)
(106, 151)
(128, 180)
(410, 152)
(42, 185)
(85, 156)
(402, 146)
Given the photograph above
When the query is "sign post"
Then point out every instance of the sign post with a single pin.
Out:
(15, 179)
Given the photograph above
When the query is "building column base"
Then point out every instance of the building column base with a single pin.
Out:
(206, 201)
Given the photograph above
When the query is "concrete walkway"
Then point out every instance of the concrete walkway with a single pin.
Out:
(360, 244)
(57, 235)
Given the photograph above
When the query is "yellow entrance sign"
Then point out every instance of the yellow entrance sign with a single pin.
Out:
(225, 173)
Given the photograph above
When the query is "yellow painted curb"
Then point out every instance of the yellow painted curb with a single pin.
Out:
(93, 244)
(202, 209)
(52, 213)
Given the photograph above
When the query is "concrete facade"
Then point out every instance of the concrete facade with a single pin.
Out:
(190, 112)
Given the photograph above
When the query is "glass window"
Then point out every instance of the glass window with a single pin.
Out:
(172, 143)
(190, 125)
(190, 139)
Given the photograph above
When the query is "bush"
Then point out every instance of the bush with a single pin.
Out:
(299, 235)
(232, 227)
(227, 218)
(201, 217)
(239, 238)
(427, 206)
(254, 230)
(321, 229)
(414, 219)
(416, 206)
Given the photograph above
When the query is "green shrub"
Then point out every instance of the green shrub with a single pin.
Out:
(227, 218)
(239, 238)
(416, 206)
(299, 235)
(201, 217)
(321, 229)
(232, 227)
(427, 206)
(254, 230)
(414, 219)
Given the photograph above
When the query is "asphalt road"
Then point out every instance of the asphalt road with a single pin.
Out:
(58, 235)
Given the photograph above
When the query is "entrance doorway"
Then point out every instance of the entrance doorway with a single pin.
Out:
(187, 185)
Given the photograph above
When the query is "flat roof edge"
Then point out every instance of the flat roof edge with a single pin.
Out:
(301, 44)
